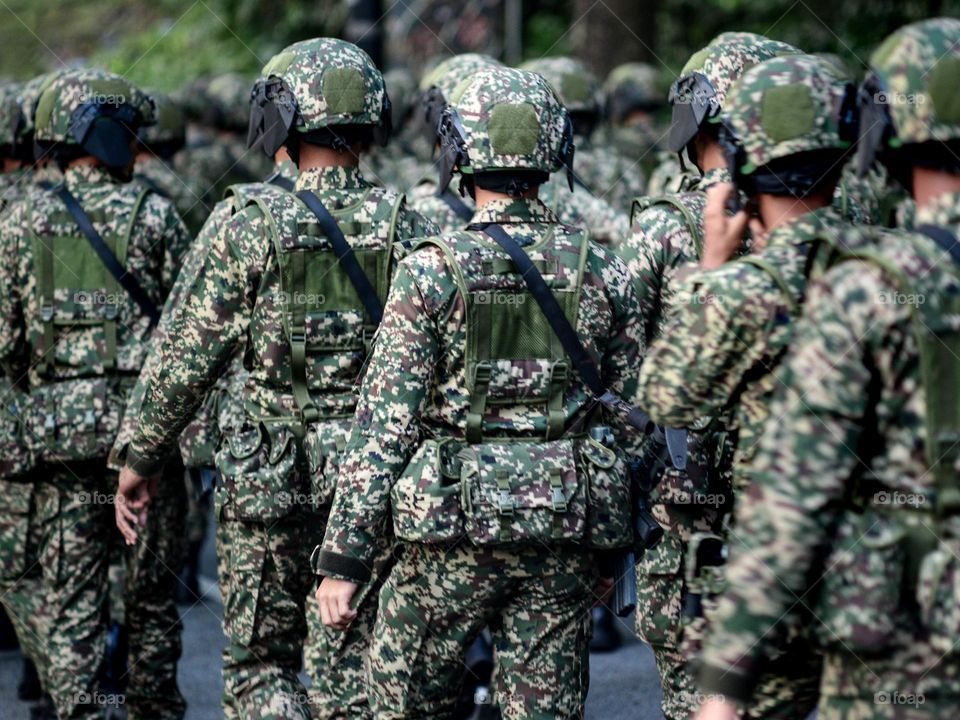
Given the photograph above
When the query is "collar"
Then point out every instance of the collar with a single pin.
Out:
(331, 178)
(807, 227)
(87, 175)
(286, 169)
(510, 211)
(713, 177)
(943, 210)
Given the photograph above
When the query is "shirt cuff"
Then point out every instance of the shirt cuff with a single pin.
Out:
(143, 464)
(734, 686)
(341, 567)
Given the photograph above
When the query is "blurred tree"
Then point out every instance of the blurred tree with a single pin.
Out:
(611, 32)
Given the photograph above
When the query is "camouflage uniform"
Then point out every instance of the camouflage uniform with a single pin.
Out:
(78, 384)
(633, 99)
(845, 515)
(666, 239)
(270, 513)
(418, 397)
(602, 172)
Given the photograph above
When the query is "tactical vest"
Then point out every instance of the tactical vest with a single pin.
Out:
(78, 402)
(501, 490)
(902, 557)
(312, 308)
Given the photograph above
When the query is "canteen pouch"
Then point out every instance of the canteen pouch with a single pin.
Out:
(609, 515)
(74, 420)
(425, 499)
(523, 493)
(938, 596)
(323, 447)
(860, 595)
(261, 480)
(16, 454)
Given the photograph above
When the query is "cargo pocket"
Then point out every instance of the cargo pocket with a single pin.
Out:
(74, 420)
(660, 593)
(938, 596)
(523, 493)
(609, 513)
(860, 594)
(425, 499)
(248, 558)
(15, 519)
(323, 447)
(261, 480)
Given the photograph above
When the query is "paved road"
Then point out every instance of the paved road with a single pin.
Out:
(623, 684)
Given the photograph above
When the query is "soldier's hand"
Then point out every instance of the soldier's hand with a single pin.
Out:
(334, 598)
(134, 493)
(717, 709)
(603, 591)
(722, 234)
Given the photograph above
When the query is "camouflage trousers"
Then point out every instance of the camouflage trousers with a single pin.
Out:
(268, 588)
(78, 534)
(21, 579)
(436, 601)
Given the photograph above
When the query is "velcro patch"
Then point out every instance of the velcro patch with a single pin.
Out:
(787, 112)
(943, 90)
(343, 90)
(514, 129)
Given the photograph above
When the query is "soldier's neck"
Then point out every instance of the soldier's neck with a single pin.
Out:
(929, 184)
(316, 156)
(709, 154)
(779, 209)
(86, 161)
(488, 196)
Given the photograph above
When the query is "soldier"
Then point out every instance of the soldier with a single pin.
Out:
(303, 319)
(634, 99)
(666, 235)
(449, 210)
(852, 511)
(479, 470)
(601, 170)
(91, 259)
(788, 129)
(159, 145)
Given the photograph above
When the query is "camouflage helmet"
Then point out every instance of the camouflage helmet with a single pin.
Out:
(631, 87)
(796, 107)
(577, 88)
(169, 133)
(216, 101)
(401, 88)
(909, 99)
(10, 118)
(325, 90)
(698, 95)
(29, 97)
(504, 119)
(437, 86)
(94, 110)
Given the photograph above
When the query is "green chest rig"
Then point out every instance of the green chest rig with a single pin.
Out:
(513, 357)
(319, 309)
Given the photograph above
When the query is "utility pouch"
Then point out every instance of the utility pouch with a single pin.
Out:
(425, 499)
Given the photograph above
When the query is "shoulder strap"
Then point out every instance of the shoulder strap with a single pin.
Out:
(361, 283)
(944, 238)
(777, 278)
(148, 181)
(574, 348)
(280, 181)
(674, 201)
(458, 206)
(126, 279)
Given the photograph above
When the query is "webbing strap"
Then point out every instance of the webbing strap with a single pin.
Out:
(505, 505)
(46, 305)
(944, 238)
(149, 183)
(298, 339)
(478, 402)
(555, 414)
(126, 279)
(458, 206)
(564, 330)
(280, 181)
(345, 256)
(777, 278)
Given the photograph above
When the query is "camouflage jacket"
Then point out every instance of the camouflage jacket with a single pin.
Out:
(607, 224)
(609, 175)
(201, 436)
(157, 242)
(12, 187)
(416, 386)
(854, 366)
(729, 328)
(182, 190)
(236, 286)
(424, 199)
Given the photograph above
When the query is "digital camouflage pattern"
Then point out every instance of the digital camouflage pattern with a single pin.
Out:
(580, 208)
(577, 87)
(425, 200)
(785, 106)
(158, 175)
(918, 65)
(417, 386)
(54, 121)
(798, 523)
(267, 506)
